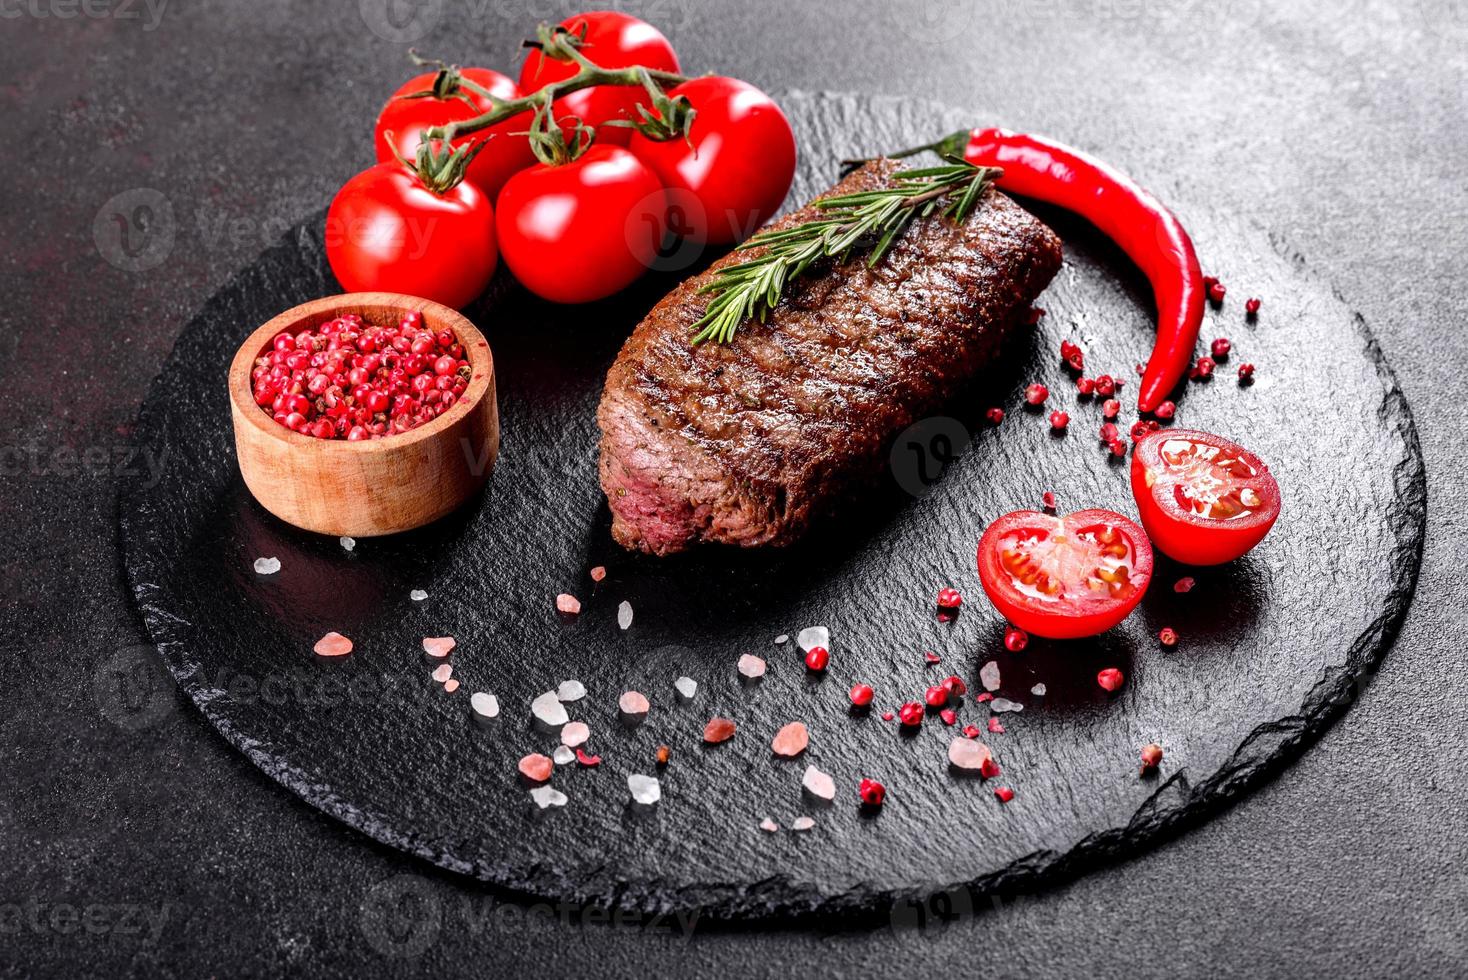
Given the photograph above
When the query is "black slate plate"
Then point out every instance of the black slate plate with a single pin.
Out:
(1273, 645)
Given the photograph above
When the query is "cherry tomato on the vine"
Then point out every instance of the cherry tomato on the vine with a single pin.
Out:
(570, 232)
(386, 231)
(1064, 577)
(1204, 500)
(738, 167)
(613, 40)
(405, 119)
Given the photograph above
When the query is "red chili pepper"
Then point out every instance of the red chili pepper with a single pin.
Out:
(1147, 231)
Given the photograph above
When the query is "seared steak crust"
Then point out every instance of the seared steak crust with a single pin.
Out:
(746, 443)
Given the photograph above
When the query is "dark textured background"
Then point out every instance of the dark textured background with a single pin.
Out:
(1337, 125)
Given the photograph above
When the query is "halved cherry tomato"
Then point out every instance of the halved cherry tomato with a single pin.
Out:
(1204, 500)
(386, 231)
(572, 233)
(1064, 577)
(613, 40)
(405, 119)
(736, 165)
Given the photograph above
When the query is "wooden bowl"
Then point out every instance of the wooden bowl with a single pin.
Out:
(374, 486)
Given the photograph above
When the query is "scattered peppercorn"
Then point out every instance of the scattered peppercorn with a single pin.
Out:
(1168, 636)
(1105, 386)
(936, 696)
(1015, 639)
(949, 599)
(1036, 394)
(911, 714)
(1059, 420)
(872, 793)
(1110, 408)
(1110, 678)
(1217, 292)
(1085, 387)
(1221, 347)
(861, 695)
(1246, 373)
(1166, 411)
(1151, 756)
(1202, 370)
(995, 415)
(817, 658)
(1252, 307)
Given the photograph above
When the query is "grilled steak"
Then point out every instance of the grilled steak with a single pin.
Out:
(746, 443)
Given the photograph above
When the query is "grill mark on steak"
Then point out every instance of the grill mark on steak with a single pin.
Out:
(747, 443)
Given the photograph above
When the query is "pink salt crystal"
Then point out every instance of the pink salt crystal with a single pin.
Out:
(443, 672)
(718, 730)
(568, 604)
(768, 826)
(438, 646)
(802, 823)
(574, 734)
(995, 727)
(598, 573)
(536, 767)
(968, 753)
(450, 686)
(791, 740)
(333, 645)
(633, 703)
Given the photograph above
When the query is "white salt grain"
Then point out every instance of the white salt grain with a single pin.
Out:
(571, 691)
(814, 636)
(768, 826)
(751, 666)
(563, 755)
(624, 615)
(443, 672)
(485, 705)
(548, 710)
(574, 734)
(1001, 705)
(1038, 690)
(347, 543)
(818, 784)
(644, 789)
(802, 823)
(417, 595)
(989, 676)
(687, 687)
(545, 796)
(782, 639)
(267, 566)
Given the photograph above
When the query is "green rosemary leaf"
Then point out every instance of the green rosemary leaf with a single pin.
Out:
(876, 219)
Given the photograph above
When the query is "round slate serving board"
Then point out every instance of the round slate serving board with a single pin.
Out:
(1273, 646)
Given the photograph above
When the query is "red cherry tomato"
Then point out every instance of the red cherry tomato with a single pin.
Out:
(613, 40)
(1064, 577)
(1204, 500)
(386, 231)
(570, 233)
(406, 119)
(739, 166)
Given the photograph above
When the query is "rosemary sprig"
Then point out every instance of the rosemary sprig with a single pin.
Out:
(877, 218)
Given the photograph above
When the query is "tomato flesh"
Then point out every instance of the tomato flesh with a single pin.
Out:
(1064, 577)
(1203, 499)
